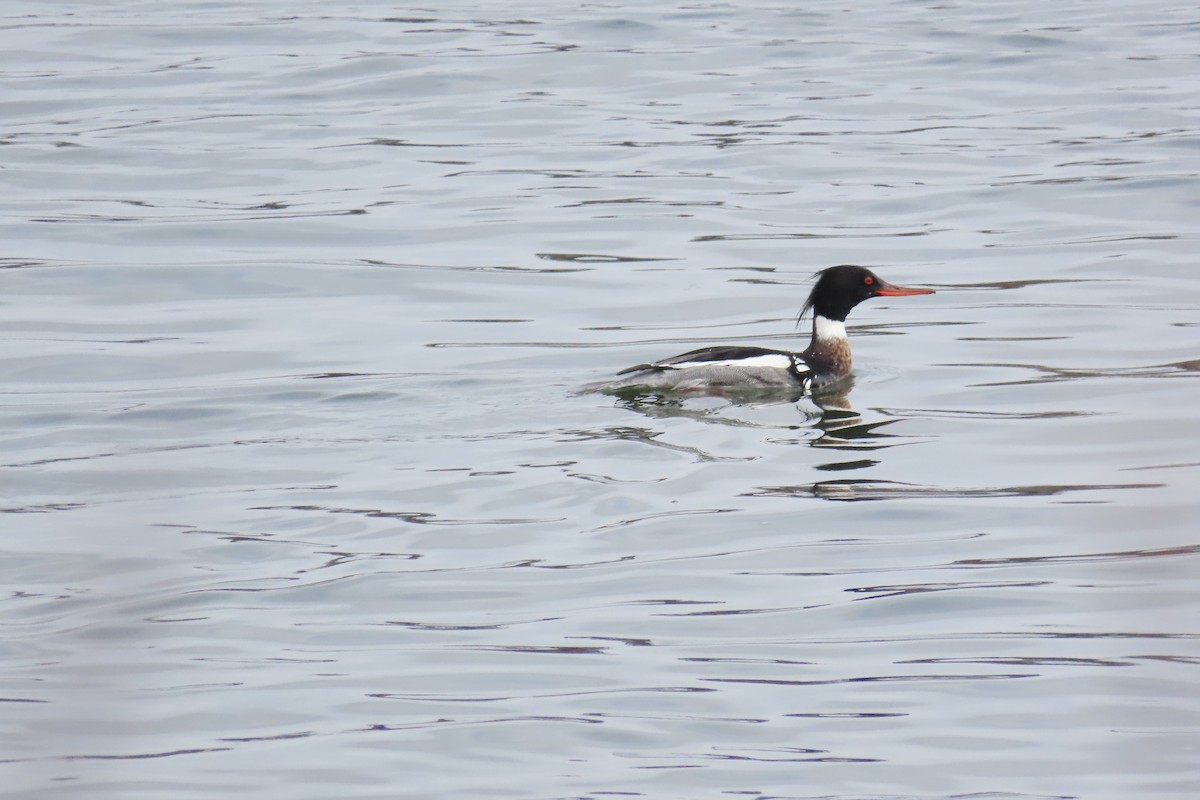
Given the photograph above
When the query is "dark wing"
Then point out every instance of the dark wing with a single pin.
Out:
(725, 355)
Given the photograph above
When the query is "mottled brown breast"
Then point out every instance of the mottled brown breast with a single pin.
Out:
(829, 357)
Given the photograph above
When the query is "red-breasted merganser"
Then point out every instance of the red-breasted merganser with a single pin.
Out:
(737, 368)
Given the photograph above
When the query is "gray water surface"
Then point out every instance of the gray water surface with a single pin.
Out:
(298, 501)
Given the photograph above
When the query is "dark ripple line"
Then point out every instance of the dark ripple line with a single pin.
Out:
(1008, 561)
(42, 509)
(851, 490)
(879, 592)
(531, 648)
(140, 756)
(848, 714)
(1024, 661)
(1181, 465)
(734, 660)
(747, 237)
(114, 454)
(443, 721)
(415, 517)
(601, 258)
(22, 700)
(673, 717)
(77, 218)
(480, 267)
(1176, 369)
(1024, 284)
(1132, 237)
(273, 738)
(991, 635)
(497, 698)
(874, 679)
(623, 523)
(954, 413)
(581, 173)
(1170, 659)
(1081, 558)
(791, 759)
(28, 263)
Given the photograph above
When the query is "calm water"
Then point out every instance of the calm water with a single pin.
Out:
(299, 503)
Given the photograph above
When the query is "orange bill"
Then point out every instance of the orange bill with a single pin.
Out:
(885, 289)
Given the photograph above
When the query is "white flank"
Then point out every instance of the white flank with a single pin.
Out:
(829, 329)
(768, 361)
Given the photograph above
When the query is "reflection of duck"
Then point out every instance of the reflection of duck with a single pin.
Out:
(828, 421)
(742, 406)
(720, 370)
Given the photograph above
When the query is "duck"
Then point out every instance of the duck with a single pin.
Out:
(732, 368)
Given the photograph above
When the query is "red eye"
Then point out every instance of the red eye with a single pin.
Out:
(868, 280)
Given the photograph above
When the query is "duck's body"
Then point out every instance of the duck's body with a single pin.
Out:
(826, 360)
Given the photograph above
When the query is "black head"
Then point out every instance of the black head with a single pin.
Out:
(841, 288)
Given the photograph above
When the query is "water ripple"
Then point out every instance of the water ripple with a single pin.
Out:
(852, 490)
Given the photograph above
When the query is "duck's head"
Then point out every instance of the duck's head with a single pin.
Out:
(839, 289)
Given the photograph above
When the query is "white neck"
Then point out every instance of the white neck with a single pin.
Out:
(828, 330)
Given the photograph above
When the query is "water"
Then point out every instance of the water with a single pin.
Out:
(299, 503)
